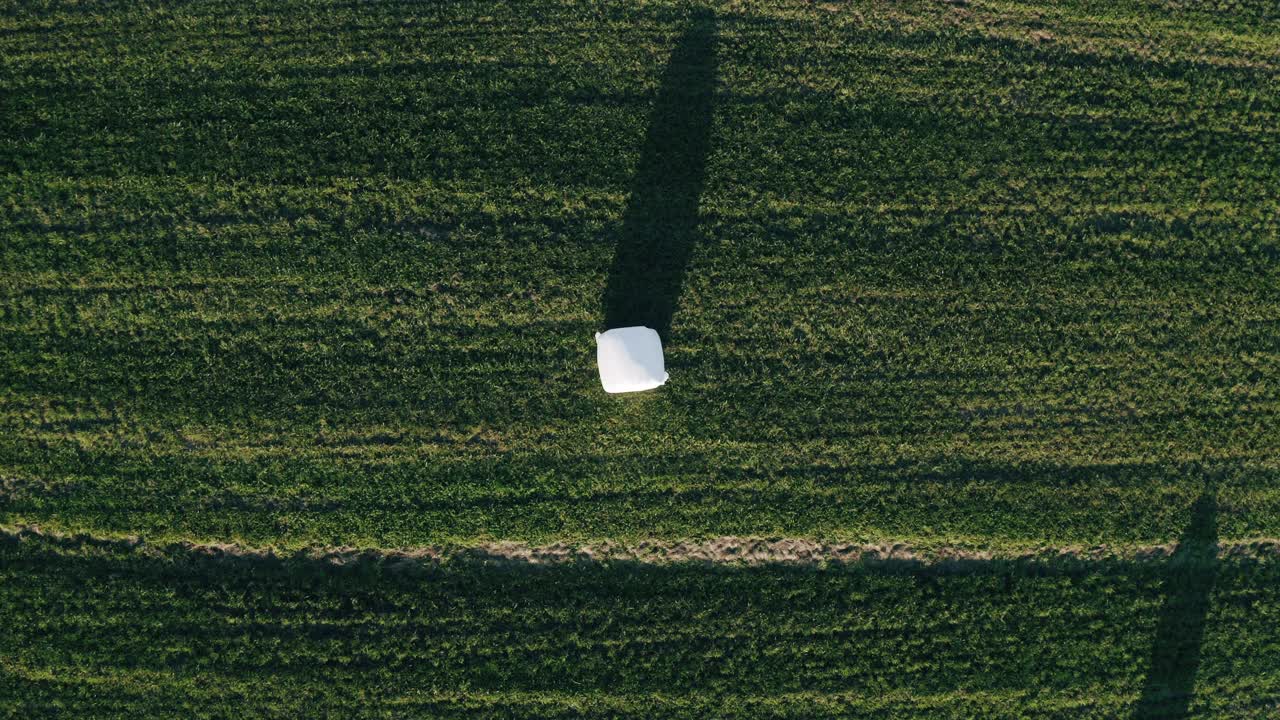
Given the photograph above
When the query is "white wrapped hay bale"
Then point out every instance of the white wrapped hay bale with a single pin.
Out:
(630, 359)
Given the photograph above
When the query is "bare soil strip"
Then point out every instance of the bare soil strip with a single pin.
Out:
(727, 551)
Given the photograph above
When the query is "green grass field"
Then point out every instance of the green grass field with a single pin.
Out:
(102, 631)
(977, 274)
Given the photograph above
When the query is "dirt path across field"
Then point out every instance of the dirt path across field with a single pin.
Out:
(727, 551)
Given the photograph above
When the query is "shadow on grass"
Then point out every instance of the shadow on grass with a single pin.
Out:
(661, 220)
(1175, 654)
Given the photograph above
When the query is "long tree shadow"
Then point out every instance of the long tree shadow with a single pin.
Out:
(660, 224)
(1175, 654)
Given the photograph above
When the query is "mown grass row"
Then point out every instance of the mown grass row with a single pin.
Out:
(324, 272)
(107, 630)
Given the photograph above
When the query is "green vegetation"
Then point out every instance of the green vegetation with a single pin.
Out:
(312, 272)
(212, 636)
(953, 272)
